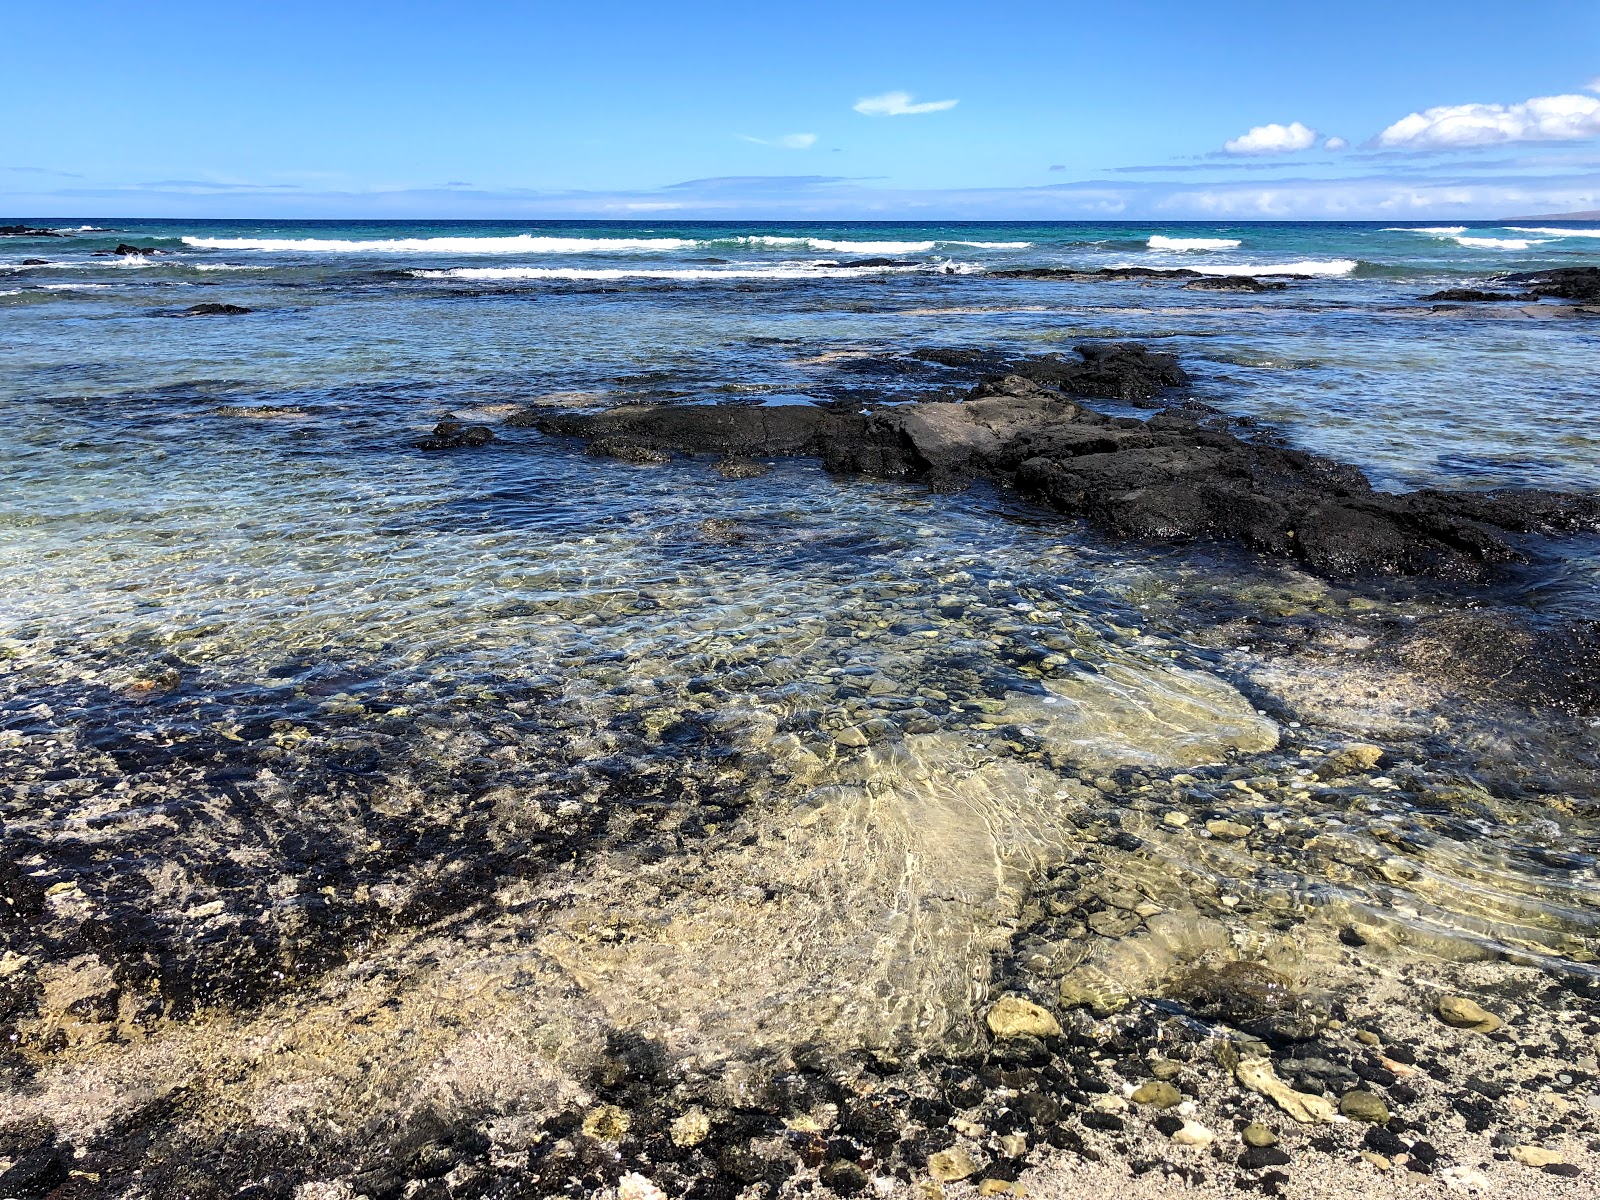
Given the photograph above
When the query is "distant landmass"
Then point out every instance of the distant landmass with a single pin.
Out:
(1592, 215)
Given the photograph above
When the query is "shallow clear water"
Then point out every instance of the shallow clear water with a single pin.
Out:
(225, 566)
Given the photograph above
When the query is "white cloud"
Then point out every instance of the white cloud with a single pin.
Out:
(789, 141)
(1452, 126)
(898, 104)
(1593, 85)
(1335, 143)
(1273, 139)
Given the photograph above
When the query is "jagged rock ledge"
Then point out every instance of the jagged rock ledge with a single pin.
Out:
(1170, 478)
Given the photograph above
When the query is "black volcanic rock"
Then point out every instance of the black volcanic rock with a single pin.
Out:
(1561, 283)
(1234, 283)
(27, 231)
(1166, 479)
(125, 250)
(451, 434)
(1474, 296)
(215, 310)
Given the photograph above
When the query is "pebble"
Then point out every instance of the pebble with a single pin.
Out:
(1367, 1038)
(1466, 1014)
(1364, 1106)
(1194, 1134)
(634, 1186)
(852, 737)
(1013, 1017)
(1176, 819)
(1229, 830)
(1536, 1156)
(1014, 1145)
(1157, 1094)
(1166, 1069)
(1377, 1160)
(950, 1166)
(995, 1187)
(1257, 1134)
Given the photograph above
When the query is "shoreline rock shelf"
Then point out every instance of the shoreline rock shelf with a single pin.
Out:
(1168, 478)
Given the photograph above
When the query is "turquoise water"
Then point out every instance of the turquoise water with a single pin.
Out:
(411, 319)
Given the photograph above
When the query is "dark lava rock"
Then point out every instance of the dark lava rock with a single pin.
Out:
(1103, 273)
(742, 468)
(1474, 296)
(125, 250)
(451, 434)
(1543, 665)
(1258, 1158)
(1562, 283)
(36, 262)
(1112, 371)
(1103, 1121)
(843, 1176)
(215, 310)
(27, 231)
(626, 451)
(872, 262)
(1165, 479)
(1235, 283)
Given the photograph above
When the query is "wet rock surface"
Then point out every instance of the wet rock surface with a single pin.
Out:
(1581, 284)
(1167, 478)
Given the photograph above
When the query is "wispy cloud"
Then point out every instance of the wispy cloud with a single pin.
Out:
(1273, 139)
(1453, 126)
(1335, 143)
(41, 171)
(899, 104)
(789, 141)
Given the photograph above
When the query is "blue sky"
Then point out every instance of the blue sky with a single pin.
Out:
(827, 110)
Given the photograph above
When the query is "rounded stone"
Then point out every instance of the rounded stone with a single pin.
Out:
(1157, 1094)
(1462, 1013)
(1257, 1134)
(1012, 1017)
(951, 1166)
(1363, 1106)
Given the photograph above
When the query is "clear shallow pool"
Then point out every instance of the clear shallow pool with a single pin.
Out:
(731, 763)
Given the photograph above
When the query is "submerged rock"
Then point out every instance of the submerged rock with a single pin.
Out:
(1012, 1016)
(1475, 296)
(451, 434)
(1235, 283)
(1561, 283)
(215, 310)
(27, 231)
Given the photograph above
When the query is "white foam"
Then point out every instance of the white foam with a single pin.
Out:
(11, 292)
(1432, 230)
(1481, 243)
(794, 271)
(1331, 266)
(1162, 242)
(837, 246)
(516, 244)
(1559, 233)
(227, 267)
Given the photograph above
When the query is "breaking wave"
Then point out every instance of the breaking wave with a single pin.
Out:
(515, 244)
(1162, 242)
(793, 271)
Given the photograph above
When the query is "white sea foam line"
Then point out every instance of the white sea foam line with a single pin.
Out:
(1333, 266)
(1162, 242)
(1432, 230)
(226, 267)
(784, 241)
(518, 244)
(489, 273)
(1559, 233)
(11, 292)
(1499, 243)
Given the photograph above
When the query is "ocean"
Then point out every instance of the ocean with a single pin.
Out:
(458, 775)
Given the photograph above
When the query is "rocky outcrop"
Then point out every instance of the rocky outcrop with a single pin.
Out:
(215, 310)
(1562, 283)
(1166, 479)
(451, 434)
(1474, 296)
(27, 231)
(1234, 283)
(1132, 273)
